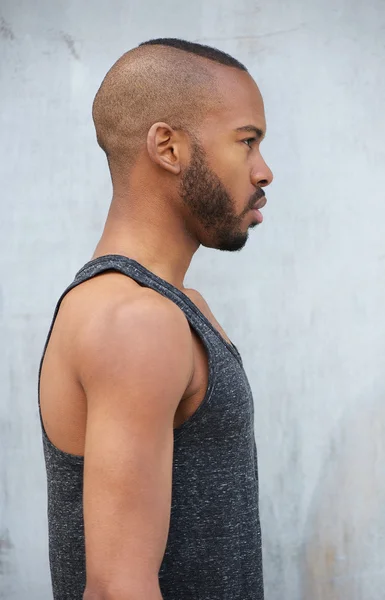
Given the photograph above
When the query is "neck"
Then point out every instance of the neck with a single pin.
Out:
(157, 238)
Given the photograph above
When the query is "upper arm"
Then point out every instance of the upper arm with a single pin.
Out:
(137, 365)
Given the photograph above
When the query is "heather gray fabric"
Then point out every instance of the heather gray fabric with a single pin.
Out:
(214, 544)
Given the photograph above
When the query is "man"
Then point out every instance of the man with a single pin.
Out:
(147, 413)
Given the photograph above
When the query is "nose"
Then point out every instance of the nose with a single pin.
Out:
(261, 175)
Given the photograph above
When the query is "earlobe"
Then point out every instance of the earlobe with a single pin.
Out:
(162, 147)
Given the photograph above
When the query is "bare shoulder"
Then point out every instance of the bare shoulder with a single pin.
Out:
(124, 329)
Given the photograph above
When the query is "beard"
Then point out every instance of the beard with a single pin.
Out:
(210, 203)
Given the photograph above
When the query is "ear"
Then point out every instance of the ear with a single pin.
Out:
(164, 147)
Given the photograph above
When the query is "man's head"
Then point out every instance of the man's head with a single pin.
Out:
(187, 120)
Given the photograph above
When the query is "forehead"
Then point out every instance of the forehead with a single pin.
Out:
(238, 100)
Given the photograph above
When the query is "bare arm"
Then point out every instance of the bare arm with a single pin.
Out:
(137, 367)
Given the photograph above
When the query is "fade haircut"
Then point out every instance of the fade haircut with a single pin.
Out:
(166, 79)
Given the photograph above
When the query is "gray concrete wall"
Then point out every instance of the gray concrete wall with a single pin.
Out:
(304, 301)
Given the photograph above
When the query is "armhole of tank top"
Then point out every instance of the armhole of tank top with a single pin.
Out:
(212, 369)
(74, 458)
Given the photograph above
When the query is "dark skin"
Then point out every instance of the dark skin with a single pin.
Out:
(116, 402)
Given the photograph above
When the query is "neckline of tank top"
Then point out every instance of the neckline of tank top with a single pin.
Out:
(162, 282)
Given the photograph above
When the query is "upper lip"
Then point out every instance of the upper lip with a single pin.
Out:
(260, 203)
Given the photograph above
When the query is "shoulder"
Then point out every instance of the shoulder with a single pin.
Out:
(123, 328)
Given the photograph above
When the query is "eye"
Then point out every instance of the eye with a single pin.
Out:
(249, 141)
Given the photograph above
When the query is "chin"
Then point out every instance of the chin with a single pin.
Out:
(228, 243)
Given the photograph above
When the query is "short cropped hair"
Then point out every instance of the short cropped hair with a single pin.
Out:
(166, 79)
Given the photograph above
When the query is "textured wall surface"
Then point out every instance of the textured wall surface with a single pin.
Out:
(304, 301)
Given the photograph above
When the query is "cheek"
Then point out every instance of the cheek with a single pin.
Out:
(238, 182)
(233, 168)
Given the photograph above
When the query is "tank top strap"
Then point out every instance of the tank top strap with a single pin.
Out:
(137, 272)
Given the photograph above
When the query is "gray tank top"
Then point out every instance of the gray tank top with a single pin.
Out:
(214, 544)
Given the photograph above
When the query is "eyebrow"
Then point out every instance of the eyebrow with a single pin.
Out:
(260, 134)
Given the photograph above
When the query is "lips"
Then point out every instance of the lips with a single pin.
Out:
(260, 203)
